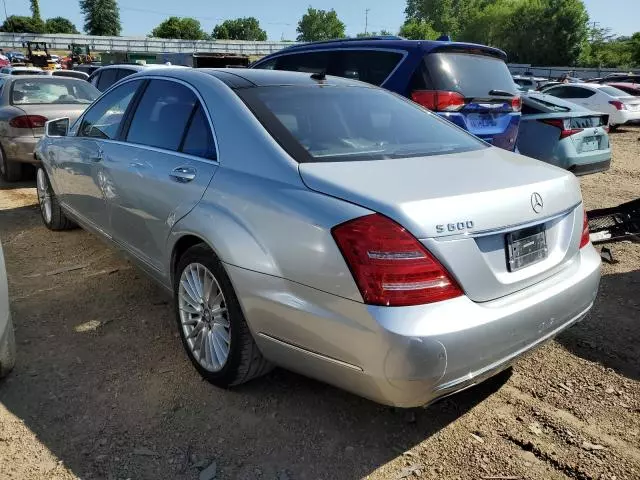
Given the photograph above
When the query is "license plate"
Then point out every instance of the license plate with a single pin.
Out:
(526, 247)
(589, 144)
(633, 106)
(482, 121)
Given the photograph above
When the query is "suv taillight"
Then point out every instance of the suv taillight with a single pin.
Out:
(438, 100)
(28, 121)
(390, 266)
(584, 239)
(564, 125)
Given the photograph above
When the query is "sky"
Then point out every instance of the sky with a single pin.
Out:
(280, 17)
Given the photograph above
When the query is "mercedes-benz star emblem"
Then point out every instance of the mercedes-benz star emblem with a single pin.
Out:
(536, 202)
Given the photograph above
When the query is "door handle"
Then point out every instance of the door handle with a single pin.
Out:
(183, 174)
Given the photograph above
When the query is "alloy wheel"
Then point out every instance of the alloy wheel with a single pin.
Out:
(204, 317)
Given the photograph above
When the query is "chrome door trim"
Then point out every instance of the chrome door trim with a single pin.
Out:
(133, 78)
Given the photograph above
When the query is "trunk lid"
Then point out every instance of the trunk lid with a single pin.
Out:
(53, 111)
(462, 206)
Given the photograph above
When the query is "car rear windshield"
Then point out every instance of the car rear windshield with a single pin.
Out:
(544, 104)
(472, 75)
(329, 123)
(614, 92)
(51, 90)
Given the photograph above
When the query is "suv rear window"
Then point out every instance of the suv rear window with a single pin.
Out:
(329, 124)
(472, 75)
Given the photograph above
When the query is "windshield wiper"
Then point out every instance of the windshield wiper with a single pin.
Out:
(502, 93)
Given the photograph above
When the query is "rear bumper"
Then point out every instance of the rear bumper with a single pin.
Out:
(20, 149)
(589, 168)
(624, 116)
(410, 356)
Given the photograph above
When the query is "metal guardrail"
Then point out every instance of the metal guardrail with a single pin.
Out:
(10, 41)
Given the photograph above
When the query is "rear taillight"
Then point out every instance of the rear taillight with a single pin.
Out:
(584, 240)
(390, 266)
(564, 125)
(516, 104)
(438, 100)
(28, 121)
(618, 104)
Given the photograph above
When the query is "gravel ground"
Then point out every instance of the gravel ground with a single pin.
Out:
(103, 390)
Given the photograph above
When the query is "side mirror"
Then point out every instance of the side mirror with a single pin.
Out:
(57, 128)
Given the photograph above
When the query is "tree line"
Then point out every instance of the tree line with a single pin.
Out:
(539, 32)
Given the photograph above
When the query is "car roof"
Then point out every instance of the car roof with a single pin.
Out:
(245, 77)
(388, 42)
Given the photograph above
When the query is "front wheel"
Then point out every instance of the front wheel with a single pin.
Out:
(212, 326)
(52, 214)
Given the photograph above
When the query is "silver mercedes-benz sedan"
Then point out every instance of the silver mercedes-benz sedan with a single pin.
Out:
(326, 226)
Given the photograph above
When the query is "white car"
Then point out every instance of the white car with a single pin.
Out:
(7, 339)
(56, 58)
(621, 107)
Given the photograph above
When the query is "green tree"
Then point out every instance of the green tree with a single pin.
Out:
(418, 30)
(320, 25)
(445, 16)
(247, 28)
(635, 49)
(60, 25)
(101, 17)
(35, 11)
(21, 24)
(381, 33)
(184, 28)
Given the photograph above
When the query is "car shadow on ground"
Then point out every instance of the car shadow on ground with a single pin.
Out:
(102, 381)
(611, 334)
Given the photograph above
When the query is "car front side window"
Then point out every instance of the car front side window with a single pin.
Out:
(105, 116)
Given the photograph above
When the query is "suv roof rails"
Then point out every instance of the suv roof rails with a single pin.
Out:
(340, 40)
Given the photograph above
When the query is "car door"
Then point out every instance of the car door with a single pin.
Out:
(162, 170)
(79, 162)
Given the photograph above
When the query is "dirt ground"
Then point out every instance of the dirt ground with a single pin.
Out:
(103, 390)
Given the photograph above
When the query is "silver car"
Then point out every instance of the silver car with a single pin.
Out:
(564, 134)
(26, 103)
(7, 338)
(326, 226)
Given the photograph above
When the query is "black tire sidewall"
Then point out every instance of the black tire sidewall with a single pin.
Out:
(237, 325)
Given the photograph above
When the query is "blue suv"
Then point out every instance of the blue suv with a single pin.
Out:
(468, 84)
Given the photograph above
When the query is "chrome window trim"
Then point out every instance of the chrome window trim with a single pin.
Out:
(148, 147)
(404, 54)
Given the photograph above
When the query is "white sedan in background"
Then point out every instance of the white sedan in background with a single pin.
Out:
(621, 107)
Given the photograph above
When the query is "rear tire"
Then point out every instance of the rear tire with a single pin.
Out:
(8, 351)
(9, 171)
(51, 212)
(208, 324)
(613, 128)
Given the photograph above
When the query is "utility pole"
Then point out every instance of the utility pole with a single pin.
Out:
(366, 20)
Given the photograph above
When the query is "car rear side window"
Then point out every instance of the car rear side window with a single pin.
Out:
(310, 62)
(614, 92)
(331, 124)
(104, 117)
(107, 78)
(470, 74)
(198, 140)
(369, 66)
(162, 115)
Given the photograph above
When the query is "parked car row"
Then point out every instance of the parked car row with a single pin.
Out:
(361, 236)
